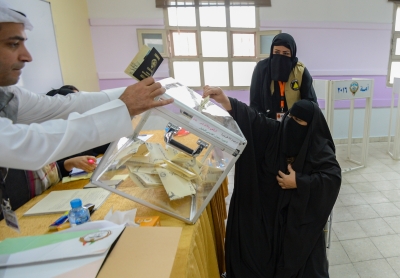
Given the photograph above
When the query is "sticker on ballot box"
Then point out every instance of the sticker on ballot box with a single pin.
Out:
(214, 132)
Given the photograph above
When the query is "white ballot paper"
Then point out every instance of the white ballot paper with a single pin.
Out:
(59, 201)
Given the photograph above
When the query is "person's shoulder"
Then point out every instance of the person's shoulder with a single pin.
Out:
(263, 62)
(301, 69)
(262, 65)
(16, 90)
(300, 65)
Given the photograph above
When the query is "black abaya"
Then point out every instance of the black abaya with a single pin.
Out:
(273, 232)
(303, 212)
(250, 228)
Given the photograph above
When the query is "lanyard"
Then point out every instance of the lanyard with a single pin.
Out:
(282, 89)
(4, 200)
(3, 194)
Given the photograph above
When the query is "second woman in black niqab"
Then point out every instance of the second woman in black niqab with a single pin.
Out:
(264, 89)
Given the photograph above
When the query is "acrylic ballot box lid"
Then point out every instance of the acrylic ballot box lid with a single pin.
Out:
(177, 157)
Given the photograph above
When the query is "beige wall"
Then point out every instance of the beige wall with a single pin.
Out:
(71, 23)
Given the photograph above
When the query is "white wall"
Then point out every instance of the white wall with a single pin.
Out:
(372, 11)
(118, 9)
(375, 11)
(334, 38)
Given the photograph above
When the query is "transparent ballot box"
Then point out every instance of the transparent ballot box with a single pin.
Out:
(177, 157)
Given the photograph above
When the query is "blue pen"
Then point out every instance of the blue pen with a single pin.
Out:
(59, 221)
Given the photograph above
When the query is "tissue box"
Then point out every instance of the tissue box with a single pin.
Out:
(147, 221)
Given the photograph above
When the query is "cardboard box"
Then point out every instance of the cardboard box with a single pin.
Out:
(147, 221)
(143, 253)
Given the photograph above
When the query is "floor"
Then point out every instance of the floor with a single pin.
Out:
(365, 236)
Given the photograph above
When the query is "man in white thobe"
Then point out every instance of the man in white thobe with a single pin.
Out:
(37, 129)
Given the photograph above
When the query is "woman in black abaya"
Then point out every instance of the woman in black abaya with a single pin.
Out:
(281, 66)
(310, 187)
(286, 182)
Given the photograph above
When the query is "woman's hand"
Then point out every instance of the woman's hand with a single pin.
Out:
(287, 181)
(218, 95)
(86, 162)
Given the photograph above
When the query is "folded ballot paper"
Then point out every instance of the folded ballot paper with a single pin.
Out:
(78, 253)
(152, 165)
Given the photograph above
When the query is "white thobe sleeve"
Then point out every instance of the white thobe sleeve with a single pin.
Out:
(36, 141)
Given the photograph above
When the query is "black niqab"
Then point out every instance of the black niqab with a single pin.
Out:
(294, 133)
(282, 65)
(293, 137)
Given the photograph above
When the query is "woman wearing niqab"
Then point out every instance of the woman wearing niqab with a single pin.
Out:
(303, 211)
(265, 94)
(271, 231)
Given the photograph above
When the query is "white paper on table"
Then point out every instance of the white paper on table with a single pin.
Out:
(119, 177)
(85, 266)
(91, 225)
(126, 218)
(59, 201)
(58, 246)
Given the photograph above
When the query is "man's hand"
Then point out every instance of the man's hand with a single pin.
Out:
(287, 181)
(218, 95)
(139, 97)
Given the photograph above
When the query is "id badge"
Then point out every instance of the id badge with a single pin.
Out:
(10, 217)
(279, 116)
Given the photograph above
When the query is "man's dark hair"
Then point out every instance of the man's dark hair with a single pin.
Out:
(69, 87)
(64, 90)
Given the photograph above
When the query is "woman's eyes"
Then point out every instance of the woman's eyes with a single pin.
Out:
(283, 53)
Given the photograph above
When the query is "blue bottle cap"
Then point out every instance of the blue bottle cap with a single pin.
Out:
(76, 203)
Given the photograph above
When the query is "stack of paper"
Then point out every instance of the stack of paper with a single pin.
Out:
(59, 201)
(69, 254)
(151, 165)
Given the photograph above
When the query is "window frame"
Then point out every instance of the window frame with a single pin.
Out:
(201, 59)
(171, 42)
(163, 34)
(258, 42)
(168, 45)
(395, 35)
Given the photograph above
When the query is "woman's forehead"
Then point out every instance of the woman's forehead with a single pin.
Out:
(281, 47)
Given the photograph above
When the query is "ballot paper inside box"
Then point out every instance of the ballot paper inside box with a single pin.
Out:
(177, 157)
